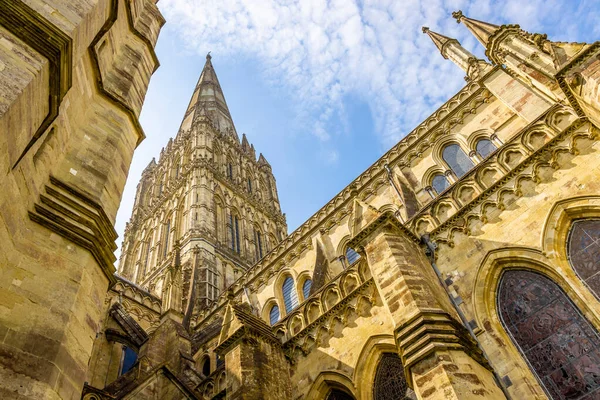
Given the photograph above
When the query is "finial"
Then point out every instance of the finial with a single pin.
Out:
(425, 29)
(208, 56)
(458, 15)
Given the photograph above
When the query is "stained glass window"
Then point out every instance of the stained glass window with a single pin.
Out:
(485, 147)
(274, 315)
(351, 255)
(290, 298)
(390, 382)
(339, 395)
(584, 252)
(457, 160)
(306, 288)
(560, 345)
(439, 183)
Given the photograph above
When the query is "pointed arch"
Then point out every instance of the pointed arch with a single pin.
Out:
(560, 345)
(484, 299)
(328, 381)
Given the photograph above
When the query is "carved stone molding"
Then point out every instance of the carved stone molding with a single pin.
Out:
(428, 332)
(93, 49)
(48, 40)
(73, 215)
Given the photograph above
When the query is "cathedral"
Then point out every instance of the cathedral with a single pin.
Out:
(461, 265)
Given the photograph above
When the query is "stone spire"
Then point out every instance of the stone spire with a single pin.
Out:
(209, 102)
(481, 30)
(450, 49)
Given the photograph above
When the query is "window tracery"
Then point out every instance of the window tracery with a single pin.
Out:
(584, 252)
(390, 382)
(560, 345)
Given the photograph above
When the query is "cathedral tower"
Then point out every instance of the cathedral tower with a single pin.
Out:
(208, 208)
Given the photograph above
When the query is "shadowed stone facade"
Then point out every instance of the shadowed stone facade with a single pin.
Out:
(461, 265)
(73, 76)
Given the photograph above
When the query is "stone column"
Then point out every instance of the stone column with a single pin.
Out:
(441, 360)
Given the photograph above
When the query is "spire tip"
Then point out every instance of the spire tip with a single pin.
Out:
(458, 15)
(208, 56)
(424, 29)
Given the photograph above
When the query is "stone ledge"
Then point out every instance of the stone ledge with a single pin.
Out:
(70, 213)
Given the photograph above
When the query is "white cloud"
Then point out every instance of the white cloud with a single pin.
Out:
(322, 50)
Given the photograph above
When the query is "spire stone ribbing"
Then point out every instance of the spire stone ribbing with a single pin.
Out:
(209, 102)
(481, 30)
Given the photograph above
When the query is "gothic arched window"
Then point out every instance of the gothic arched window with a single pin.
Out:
(336, 394)
(457, 160)
(274, 314)
(229, 169)
(306, 288)
(235, 232)
(485, 147)
(439, 183)
(167, 232)
(584, 252)
(560, 345)
(206, 366)
(258, 243)
(128, 359)
(351, 256)
(390, 382)
(290, 298)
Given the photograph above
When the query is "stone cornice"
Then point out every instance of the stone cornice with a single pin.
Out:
(48, 40)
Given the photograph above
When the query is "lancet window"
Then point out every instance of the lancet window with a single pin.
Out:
(235, 232)
(439, 183)
(258, 243)
(128, 359)
(558, 342)
(457, 160)
(584, 252)
(167, 233)
(274, 314)
(485, 147)
(306, 288)
(290, 298)
(351, 256)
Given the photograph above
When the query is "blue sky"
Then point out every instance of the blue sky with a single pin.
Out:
(323, 88)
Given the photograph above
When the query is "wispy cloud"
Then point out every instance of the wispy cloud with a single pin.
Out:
(323, 50)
